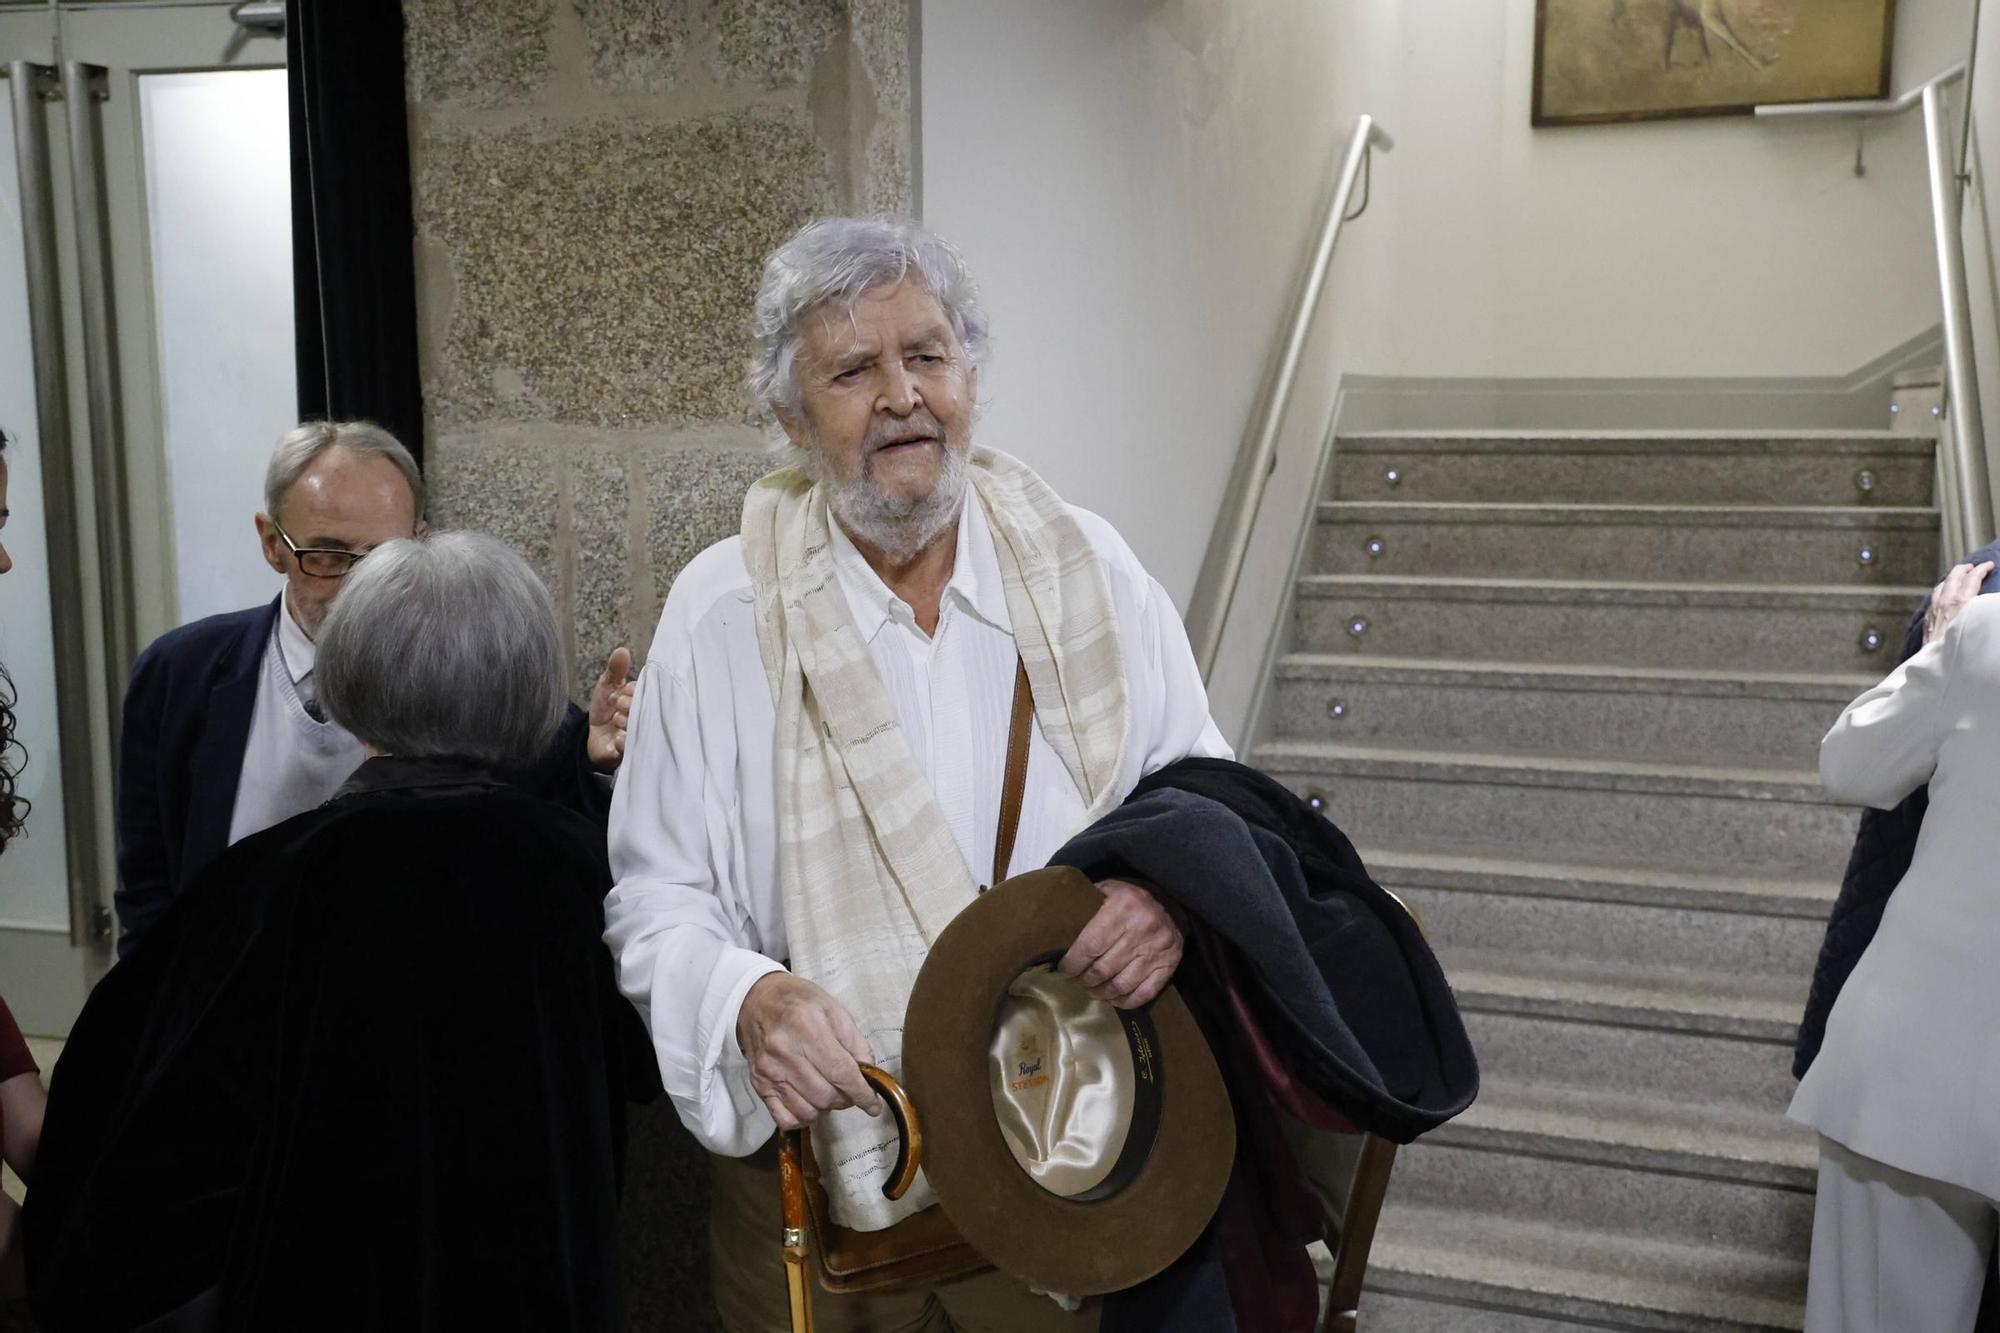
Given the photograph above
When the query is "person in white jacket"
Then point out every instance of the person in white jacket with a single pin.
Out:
(1905, 1093)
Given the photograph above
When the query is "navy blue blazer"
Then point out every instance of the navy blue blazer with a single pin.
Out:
(187, 723)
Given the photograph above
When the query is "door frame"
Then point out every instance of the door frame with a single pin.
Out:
(124, 578)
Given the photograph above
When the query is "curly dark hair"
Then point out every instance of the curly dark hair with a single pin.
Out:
(13, 806)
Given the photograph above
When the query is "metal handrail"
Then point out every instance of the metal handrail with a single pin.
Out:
(1964, 485)
(1882, 106)
(1229, 544)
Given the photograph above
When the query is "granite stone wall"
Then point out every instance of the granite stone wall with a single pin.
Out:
(596, 182)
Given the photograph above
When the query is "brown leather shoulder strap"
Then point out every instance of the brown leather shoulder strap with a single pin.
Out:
(1019, 728)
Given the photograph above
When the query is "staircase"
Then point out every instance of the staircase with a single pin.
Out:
(1565, 693)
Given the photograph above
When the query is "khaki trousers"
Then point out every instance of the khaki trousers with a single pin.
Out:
(746, 1225)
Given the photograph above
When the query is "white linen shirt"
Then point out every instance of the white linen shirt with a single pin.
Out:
(695, 917)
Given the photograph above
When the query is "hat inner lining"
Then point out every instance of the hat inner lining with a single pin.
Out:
(1075, 1084)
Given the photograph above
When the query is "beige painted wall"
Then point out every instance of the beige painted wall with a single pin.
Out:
(1720, 247)
(1134, 183)
(1136, 180)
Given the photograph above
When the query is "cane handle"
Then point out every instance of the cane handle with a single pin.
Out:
(909, 1132)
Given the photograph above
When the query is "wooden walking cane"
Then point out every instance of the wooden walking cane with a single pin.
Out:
(936, 1249)
(798, 1280)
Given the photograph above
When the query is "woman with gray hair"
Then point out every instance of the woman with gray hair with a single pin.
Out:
(420, 622)
(371, 1073)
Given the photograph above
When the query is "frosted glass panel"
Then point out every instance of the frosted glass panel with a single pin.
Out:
(218, 196)
(34, 872)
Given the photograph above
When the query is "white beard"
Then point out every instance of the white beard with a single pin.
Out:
(898, 527)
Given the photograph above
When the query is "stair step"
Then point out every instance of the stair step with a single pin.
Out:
(1434, 1271)
(1772, 628)
(1769, 823)
(1661, 1063)
(1702, 543)
(1496, 872)
(1682, 467)
(1763, 1009)
(1630, 1178)
(1669, 1034)
(1618, 934)
(1757, 718)
(1619, 1027)
(1727, 1143)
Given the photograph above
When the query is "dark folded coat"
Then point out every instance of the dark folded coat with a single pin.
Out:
(1342, 982)
(1339, 986)
(370, 1074)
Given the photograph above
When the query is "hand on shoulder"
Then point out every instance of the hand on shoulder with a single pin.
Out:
(1951, 596)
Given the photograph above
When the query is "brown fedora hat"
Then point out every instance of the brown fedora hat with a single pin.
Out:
(1079, 1147)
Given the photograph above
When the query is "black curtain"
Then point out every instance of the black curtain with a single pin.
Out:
(354, 280)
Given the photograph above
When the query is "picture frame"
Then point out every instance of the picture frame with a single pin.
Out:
(1602, 61)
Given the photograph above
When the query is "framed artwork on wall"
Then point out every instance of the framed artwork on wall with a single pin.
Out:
(1610, 60)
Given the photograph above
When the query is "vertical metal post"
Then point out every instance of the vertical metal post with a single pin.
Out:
(1952, 544)
(1966, 457)
(85, 89)
(1971, 76)
(31, 86)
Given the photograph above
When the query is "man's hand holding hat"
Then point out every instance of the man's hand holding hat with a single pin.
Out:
(804, 1051)
(1128, 952)
(1103, 1159)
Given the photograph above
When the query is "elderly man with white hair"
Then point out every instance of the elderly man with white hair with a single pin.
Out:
(814, 782)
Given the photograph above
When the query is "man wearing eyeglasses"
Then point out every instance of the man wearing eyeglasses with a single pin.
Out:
(223, 734)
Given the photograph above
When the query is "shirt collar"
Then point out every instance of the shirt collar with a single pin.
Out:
(976, 576)
(297, 650)
(974, 583)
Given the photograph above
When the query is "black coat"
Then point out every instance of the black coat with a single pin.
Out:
(1883, 846)
(1343, 983)
(186, 722)
(368, 1074)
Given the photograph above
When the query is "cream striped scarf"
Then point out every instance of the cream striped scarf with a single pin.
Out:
(868, 869)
